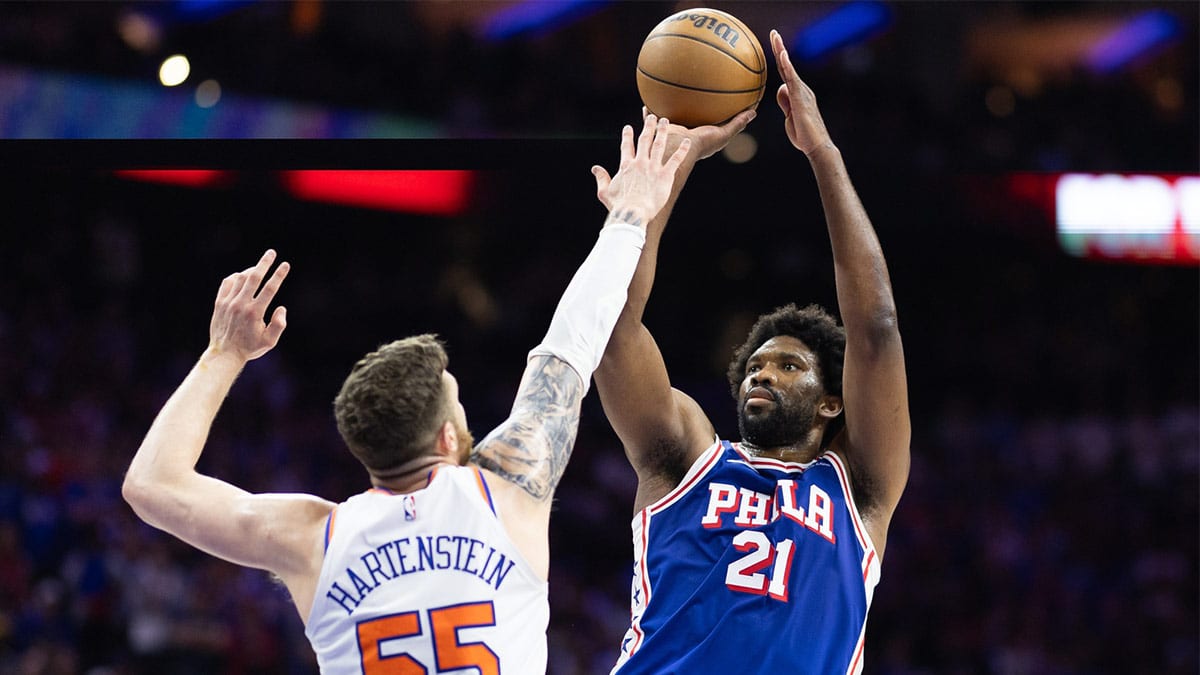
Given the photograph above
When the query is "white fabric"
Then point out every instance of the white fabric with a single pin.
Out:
(592, 303)
(424, 567)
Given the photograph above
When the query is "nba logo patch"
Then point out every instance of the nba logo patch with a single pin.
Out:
(410, 507)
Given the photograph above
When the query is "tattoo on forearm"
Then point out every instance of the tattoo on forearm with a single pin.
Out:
(532, 446)
(628, 216)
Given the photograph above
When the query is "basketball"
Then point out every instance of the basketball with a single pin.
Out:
(700, 66)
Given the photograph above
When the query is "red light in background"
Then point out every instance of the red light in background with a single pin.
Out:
(440, 193)
(184, 177)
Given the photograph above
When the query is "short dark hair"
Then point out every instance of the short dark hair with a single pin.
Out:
(393, 403)
(813, 326)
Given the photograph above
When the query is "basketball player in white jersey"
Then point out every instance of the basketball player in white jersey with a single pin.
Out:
(442, 564)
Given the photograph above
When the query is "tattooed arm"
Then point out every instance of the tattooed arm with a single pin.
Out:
(525, 457)
(531, 448)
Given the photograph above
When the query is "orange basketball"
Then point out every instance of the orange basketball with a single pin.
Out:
(701, 66)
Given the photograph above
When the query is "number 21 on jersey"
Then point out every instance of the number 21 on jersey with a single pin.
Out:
(449, 652)
(745, 574)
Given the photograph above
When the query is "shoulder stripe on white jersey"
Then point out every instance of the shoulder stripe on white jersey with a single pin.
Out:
(484, 489)
(329, 527)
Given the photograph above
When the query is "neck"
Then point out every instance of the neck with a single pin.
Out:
(409, 476)
(804, 450)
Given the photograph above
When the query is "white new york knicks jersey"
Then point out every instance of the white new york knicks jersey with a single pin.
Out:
(427, 581)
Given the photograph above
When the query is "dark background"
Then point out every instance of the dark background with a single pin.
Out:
(1050, 523)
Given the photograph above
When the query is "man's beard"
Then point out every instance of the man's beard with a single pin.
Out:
(788, 422)
(466, 443)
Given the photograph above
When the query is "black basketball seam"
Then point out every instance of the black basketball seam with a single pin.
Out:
(758, 51)
(707, 91)
(703, 42)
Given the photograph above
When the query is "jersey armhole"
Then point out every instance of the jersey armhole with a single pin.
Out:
(329, 523)
(699, 468)
(484, 490)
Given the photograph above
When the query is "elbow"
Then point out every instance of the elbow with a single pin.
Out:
(876, 334)
(140, 493)
(133, 491)
(882, 326)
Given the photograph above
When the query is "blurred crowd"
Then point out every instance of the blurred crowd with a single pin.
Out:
(1049, 525)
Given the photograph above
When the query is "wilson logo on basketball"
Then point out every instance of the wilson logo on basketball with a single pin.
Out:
(719, 28)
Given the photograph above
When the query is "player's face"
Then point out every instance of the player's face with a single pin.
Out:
(780, 393)
(458, 418)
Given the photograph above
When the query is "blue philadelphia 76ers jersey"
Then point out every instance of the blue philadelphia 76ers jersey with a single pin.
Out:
(751, 565)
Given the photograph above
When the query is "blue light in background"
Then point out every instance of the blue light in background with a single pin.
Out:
(1133, 39)
(197, 10)
(536, 16)
(846, 25)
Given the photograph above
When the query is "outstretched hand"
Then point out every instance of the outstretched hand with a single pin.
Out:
(237, 325)
(801, 118)
(644, 181)
(709, 139)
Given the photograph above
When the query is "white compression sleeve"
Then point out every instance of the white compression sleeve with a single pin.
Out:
(589, 308)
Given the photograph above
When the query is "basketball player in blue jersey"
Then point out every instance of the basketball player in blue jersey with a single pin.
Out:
(761, 556)
(442, 564)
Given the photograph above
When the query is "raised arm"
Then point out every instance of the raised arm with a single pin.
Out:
(874, 386)
(529, 451)
(632, 379)
(271, 532)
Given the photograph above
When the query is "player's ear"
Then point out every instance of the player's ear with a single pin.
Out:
(830, 406)
(447, 440)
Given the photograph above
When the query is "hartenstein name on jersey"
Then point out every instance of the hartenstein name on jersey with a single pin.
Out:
(753, 509)
(406, 556)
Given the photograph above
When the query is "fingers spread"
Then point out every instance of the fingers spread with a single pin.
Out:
(276, 325)
(602, 180)
(626, 144)
(259, 271)
(680, 154)
(272, 286)
(239, 282)
(227, 287)
(649, 129)
(659, 147)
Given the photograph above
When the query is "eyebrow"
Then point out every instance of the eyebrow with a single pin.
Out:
(780, 353)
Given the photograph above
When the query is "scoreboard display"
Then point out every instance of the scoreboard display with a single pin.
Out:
(1152, 218)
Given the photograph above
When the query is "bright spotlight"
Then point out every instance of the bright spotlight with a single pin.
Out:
(174, 70)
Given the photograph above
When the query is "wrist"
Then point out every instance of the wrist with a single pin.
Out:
(826, 148)
(222, 359)
(621, 213)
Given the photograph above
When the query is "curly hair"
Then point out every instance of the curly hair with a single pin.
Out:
(393, 403)
(813, 326)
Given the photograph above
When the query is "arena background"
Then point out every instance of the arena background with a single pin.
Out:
(1050, 523)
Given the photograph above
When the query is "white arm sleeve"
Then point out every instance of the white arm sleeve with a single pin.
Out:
(593, 301)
